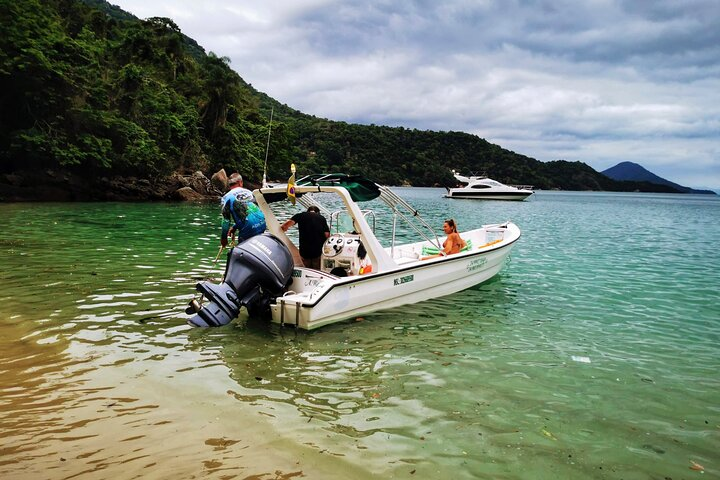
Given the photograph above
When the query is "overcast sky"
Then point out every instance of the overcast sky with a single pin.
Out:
(598, 81)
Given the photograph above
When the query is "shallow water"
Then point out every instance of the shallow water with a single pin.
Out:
(594, 354)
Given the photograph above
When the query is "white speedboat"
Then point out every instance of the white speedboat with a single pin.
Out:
(266, 275)
(484, 188)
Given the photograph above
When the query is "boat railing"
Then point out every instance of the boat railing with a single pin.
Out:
(397, 204)
(411, 216)
(307, 201)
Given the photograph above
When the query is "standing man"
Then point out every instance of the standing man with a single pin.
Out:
(314, 230)
(240, 214)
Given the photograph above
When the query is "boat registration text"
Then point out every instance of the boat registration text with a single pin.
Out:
(401, 280)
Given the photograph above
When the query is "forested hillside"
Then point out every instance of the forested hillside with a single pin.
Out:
(88, 89)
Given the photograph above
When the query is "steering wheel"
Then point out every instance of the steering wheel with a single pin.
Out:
(336, 242)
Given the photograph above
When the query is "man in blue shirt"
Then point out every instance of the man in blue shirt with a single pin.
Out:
(240, 214)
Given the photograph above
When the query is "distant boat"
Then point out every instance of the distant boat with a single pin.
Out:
(484, 188)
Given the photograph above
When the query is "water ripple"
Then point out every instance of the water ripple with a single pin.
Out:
(592, 355)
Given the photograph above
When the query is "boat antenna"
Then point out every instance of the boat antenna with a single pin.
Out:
(267, 149)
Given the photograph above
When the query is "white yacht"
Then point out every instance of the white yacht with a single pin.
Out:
(484, 188)
(358, 274)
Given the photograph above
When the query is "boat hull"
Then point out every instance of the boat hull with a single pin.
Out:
(353, 297)
(517, 196)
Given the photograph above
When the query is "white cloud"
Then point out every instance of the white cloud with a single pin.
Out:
(601, 81)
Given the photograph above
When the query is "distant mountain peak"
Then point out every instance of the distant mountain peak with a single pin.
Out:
(629, 171)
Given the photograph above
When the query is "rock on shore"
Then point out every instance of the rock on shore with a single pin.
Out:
(57, 186)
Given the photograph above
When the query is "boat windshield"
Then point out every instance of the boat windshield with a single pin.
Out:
(341, 221)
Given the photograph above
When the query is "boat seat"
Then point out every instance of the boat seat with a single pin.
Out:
(431, 250)
(406, 255)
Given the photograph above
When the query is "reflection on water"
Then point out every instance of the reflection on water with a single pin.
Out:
(593, 355)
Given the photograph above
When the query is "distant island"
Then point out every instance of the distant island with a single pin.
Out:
(106, 106)
(629, 171)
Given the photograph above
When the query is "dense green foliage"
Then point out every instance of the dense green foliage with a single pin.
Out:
(82, 90)
(88, 88)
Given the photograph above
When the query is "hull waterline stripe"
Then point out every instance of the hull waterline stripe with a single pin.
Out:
(490, 194)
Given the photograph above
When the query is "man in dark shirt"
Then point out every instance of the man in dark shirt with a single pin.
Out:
(313, 230)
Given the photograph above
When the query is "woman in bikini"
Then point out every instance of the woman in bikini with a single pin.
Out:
(453, 243)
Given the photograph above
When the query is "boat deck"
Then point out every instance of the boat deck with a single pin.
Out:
(479, 239)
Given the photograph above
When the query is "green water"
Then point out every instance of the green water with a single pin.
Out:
(594, 354)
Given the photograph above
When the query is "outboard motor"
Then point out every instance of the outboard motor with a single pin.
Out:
(257, 271)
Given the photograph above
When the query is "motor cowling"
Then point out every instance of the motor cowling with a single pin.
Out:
(257, 271)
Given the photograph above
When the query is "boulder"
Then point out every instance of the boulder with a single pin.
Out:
(177, 181)
(219, 180)
(187, 194)
(65, 186)
(199, 183)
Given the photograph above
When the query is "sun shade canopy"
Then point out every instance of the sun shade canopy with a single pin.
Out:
(360, 188)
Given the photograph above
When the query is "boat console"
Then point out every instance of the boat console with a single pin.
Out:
(344, 254)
